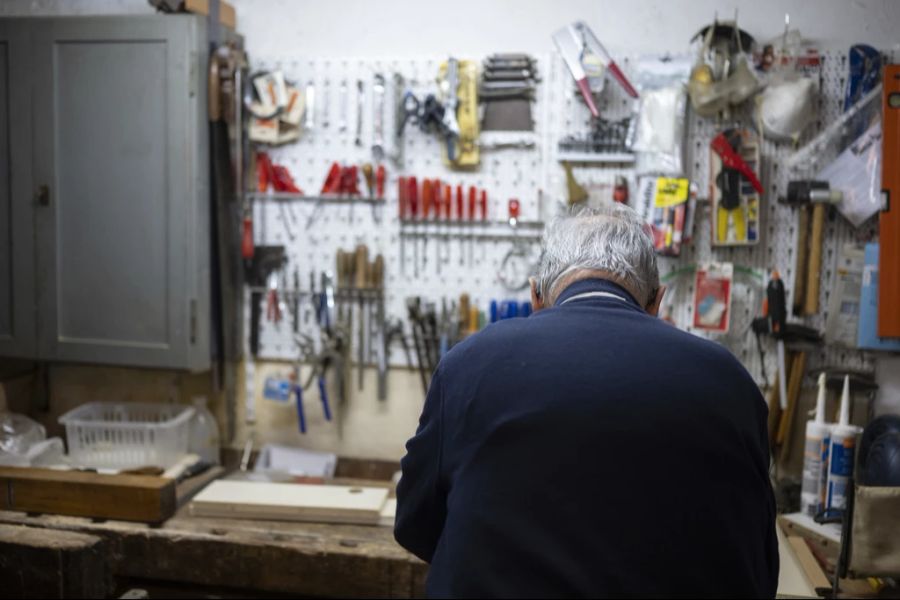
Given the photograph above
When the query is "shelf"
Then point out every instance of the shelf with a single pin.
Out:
(596, 157)
(329, 198)
(476, 224)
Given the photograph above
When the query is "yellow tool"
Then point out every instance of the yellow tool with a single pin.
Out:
(577, 193)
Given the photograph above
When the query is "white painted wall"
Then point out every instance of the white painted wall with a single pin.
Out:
(478, 27)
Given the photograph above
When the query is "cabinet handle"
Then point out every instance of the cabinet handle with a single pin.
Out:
(42, 196)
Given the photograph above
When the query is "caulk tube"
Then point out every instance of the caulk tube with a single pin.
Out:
(841, 454)
(815, 457)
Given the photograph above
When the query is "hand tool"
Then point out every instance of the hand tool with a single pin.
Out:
(342, 122)
(451, 125)
(326, 100)
(484, 206)
(402, 210)
(247, 235)
(777, 312)
(310, 121)
(409, 110)
(378, 120)
(577, 193)
(301, 416)
(730, 146)
(381, 350)
(323, 395)
(380, 175)
(362, 264)
(427, 203)
(889, 220)
(413, 307)
(273, 312)
(620, 190)
(448, 206)
(438, 201)
(399, 118)
(513, 212)
(472, 194)
(412, 200)
(807, 274)
(460, 216)
(266, 260)
(295, 306)
(332, 184)
(394, 329)
(369, 175)
(360, 102)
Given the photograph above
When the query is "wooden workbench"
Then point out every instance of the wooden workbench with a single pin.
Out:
(301, 559)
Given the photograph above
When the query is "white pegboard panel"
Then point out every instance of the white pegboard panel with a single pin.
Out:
(536, 179)
(443, 272)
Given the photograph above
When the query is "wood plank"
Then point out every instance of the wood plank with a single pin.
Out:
(808, 563)
(46, 563)
(226, 11)
(301, 559)
(122, 497)
(291, 502)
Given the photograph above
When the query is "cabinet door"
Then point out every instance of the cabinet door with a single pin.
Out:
(117, 133)
(17, 308)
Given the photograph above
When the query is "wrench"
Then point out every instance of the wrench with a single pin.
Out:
(451, 84)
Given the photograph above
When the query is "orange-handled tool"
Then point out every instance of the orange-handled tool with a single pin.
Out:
(484, 205)
(380, 175)
(427, 197)
(472, 195)
(448, 193)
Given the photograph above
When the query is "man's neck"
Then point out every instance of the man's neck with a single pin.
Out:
(584, 274)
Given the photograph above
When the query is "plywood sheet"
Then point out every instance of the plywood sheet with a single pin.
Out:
(291, 502)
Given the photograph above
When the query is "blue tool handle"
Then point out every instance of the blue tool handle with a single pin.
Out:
(324, 396)
(301, 418)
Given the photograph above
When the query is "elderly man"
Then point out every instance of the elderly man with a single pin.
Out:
(591, 449)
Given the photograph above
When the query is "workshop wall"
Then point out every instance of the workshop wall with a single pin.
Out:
(354, 28)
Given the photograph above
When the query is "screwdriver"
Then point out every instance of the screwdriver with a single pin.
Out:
(402, 187)
(459, 217)
(472, 196)
(413, 201)
(437, 191)
(369, 174)
(379, 181)
(448, 202)
(427, 203)
(484, 205)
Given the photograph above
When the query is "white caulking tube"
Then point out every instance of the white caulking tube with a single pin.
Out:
(841, 454)
(815, 457)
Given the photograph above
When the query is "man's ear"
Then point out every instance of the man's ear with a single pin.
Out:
(656, 302)
(537, 303)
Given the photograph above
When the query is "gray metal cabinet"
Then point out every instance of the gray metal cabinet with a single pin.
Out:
(119, 181)
(18, 334)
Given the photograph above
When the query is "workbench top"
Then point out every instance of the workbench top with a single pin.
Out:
(308, 559)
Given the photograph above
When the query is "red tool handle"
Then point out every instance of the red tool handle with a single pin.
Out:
(412, 189)
(380, 175)
(402, 206)
(436, 204)
(472, 194)
(459, 203)
(733, 160)
(332, 183)
(484, 205)
(448, 201)
(427, 191)
(247, 237)
(513, 209)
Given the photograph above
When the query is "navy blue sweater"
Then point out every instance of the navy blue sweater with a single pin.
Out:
(590, 450)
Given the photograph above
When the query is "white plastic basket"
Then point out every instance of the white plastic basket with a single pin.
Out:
(112, 435)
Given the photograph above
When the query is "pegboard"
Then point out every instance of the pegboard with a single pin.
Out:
(535, 177)
(451, 259)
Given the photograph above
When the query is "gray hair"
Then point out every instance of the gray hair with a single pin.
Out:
(612, 238)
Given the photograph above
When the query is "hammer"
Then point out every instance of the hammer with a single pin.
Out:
(807, 272)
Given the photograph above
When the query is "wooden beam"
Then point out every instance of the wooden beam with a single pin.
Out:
(46, 563)
(81, 494)
(808, 563)
(226, 11)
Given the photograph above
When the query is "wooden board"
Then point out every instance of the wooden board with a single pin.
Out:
(46, 563)
(808, 563)
(121, 497)
(291, 502)
(201, 7)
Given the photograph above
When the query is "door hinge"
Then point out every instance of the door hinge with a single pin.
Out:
(193, 321)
